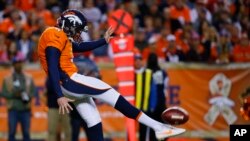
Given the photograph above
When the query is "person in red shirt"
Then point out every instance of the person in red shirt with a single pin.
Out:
(25, 5)
(173, 52)
(42, 12)
(241, 51)
(180, 12)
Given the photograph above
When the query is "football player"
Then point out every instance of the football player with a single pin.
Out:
(55, 50)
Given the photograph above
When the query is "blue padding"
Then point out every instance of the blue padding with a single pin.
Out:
(95, 133)
(126, 108)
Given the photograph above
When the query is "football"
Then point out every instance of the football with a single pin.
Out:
(175, 115)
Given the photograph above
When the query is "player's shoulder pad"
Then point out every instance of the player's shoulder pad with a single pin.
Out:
(54, 31)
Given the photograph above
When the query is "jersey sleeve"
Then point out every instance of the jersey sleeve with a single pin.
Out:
(52, 58)
(87, 46)
(56, 38)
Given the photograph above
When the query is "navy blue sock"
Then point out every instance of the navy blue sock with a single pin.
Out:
(126, 108)
(95, 133)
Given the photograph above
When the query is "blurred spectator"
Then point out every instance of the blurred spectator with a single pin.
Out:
(196, 51)
(173, 53)
(143, 10)
(161, 80)
(8, 24)
(102, 6)
(50, 4)
(222, 51)
(220, 5)
(18, 89)
(241, 51)
(92, 13)
(149, 26)
(156, 16)
(235, 33)
(15, 34)
(245, 24)
(200, 13)
(25, 5)
(143, 6)
(63, 4)
(57, 123)
(140, 39)
(154, 9)
(42, 12)
(75, 4)
(25, 45)
(203, 27)
(221, 19)
(41, 26)
(12, 51)
(183, 37)
(132, 8)
(151, 48)
(3, 49)
(56, 13)
(161, 43)
(32, 19)
(166, 18)
(179, 11)
(209, 40)
(4, 13)
(35, 35)
(145, 96)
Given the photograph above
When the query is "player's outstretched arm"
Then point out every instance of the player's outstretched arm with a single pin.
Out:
(52, 59)
(87, 46)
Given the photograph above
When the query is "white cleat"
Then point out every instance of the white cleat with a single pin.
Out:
(168, 131)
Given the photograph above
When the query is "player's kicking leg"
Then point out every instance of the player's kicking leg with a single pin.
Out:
(80, 85)
(162, 130)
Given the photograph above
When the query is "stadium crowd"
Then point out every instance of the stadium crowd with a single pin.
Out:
(206, 31)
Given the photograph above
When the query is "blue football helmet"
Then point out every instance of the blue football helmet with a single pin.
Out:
(72, 22)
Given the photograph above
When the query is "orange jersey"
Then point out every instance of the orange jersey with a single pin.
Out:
(55, 37)
(180, 13)
(25, 5)
(241, 54)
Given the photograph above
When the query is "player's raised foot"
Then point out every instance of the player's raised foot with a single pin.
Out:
(168, 131)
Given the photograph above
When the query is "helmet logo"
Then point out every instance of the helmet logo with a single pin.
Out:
(74, 19)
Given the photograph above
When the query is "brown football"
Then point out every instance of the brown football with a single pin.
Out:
(175, 115)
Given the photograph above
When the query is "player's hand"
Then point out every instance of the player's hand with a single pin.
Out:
(64, 106)
(108, 34)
